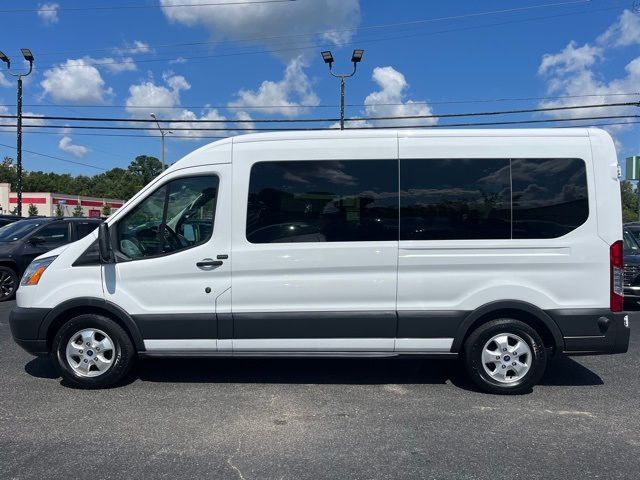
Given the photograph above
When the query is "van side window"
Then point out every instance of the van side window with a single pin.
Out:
(455, 199)
(549, 197)
(176, 216)
(323, 201)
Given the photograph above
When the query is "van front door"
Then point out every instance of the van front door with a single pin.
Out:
(172, 259)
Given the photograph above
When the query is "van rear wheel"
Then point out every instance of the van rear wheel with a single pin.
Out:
(92, 351)
(505, 356)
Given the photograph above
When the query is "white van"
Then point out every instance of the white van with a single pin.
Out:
(502, 247)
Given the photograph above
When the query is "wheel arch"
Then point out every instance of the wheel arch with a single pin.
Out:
(10, 263)
(518, 310)
(87, 305)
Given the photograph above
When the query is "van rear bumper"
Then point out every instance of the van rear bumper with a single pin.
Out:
(593, 331)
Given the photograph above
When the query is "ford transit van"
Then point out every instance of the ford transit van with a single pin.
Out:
(498, 247)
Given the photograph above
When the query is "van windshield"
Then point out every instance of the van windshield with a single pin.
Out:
(18, 230)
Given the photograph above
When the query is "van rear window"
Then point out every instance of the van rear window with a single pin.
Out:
(549, 196)
(461, 199)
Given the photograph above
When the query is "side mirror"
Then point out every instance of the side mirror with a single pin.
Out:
(104, 243)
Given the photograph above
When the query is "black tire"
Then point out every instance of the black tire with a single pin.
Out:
(8, 283)
(473, 349)
(122, 356)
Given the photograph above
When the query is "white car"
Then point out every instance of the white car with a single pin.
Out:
(436, 243)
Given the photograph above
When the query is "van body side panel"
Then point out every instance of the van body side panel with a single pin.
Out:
(462, 275)
(310, 289)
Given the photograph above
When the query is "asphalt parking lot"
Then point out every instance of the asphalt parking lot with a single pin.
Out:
(318, 418)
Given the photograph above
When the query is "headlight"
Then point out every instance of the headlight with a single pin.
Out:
(35, 270)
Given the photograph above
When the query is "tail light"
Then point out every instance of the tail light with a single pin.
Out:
(617, 276)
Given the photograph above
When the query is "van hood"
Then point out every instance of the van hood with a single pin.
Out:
(54, 253)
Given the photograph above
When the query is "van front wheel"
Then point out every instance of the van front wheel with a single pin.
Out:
(92, 351)
(505, 356)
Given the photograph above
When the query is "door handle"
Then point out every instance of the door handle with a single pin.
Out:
(208, 263)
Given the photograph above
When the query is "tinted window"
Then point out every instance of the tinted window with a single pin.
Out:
(455, 199)
(323, 201)
(85, 228)
(549, 196)
(17, 230)
(55, 233)
(178, 215)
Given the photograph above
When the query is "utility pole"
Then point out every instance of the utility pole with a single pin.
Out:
(28, 56)
(355, 58)
(162, 135)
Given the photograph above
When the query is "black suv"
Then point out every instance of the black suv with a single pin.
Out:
(24, 240)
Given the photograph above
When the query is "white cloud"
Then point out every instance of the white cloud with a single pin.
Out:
(208, 114)
(390, 101)
(625, 32)
(137, 47)
(48, 13)
(75, 81)
(4, 81)
(283, 97)
(164, 100)
(573, 72)
(178, 60)
(33, 121)
(113, 65)
(265, 23)
(66, 145)
(146, 97)
(571, 59)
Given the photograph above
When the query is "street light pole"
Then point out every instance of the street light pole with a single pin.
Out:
(162, 134)
(355, 58)
(28, 56)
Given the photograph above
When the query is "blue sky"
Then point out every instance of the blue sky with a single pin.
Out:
(261, 60)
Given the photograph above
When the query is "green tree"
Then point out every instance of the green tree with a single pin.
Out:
(145, 168)
(8, 172)
(59, 211)
(106, 210)
(78, 211)
(629, 199)
(33, 210)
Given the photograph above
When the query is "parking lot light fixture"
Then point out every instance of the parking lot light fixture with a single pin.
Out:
(356, 58)
(28, 56)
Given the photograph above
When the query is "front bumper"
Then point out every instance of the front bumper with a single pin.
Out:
(25, 326)
(594, 331)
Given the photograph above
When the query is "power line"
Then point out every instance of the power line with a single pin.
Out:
(257, 107)
(325, 32)
(54, 157)
(139, 6)
(218, 137)
(320, 120)
(262, 129)
(319, 46)
(484, 124)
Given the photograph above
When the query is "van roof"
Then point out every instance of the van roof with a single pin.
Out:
(412, 132)
(222, 148)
